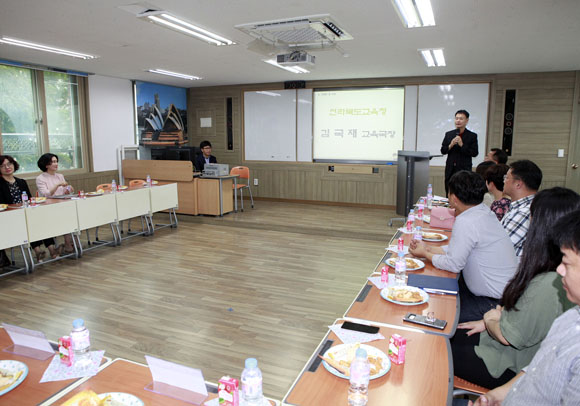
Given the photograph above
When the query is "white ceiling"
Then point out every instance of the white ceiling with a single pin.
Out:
(479, 36)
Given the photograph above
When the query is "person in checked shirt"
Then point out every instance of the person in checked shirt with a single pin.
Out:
(520, 183)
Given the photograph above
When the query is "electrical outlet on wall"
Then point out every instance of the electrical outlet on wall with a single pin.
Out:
(255, 181)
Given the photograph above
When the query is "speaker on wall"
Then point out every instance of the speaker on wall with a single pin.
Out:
(229, 124)
(295, 84)
(508, 121)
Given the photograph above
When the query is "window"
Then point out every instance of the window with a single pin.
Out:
(40, 112)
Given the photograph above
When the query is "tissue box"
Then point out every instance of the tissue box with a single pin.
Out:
(228, 391)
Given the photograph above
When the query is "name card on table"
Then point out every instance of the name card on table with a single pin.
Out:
(28, 343)
(176, 381)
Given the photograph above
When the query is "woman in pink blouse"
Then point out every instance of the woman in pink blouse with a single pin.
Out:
(494, 177)
(49, 183)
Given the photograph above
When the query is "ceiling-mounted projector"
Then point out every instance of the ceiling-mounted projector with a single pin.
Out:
(295, 58)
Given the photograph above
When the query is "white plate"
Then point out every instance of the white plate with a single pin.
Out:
(444, 237)
(3, 207)
(95, 193)
(125, 399)
(426, 218)
(424, 295)
(13, 366)
(340, 351)
(420, 264)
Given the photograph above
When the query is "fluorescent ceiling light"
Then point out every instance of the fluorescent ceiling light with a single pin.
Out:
(293, 69)
(415, 13)
(433, 57)
(167, 20)
(175, 74)
(46, 48)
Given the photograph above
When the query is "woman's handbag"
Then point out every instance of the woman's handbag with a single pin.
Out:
(442, 217)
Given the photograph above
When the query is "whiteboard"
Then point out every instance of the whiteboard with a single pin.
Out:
(437, 105)
(304, 123)
(270, 125)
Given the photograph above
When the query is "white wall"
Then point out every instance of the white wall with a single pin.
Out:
(111, 111)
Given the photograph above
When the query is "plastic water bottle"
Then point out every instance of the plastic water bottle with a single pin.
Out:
(113, 186)
(81, 343)
(401, 270)
(429, 196)
(24, 199)
(148, 180)
(252, 384)
(360, 370)
(418, 234)
(420, 208)
(410, 220)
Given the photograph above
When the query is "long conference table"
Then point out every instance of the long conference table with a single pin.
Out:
(73, 215)
(426, 377)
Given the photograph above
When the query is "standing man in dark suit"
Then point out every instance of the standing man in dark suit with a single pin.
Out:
(460, 145)
(206, 157)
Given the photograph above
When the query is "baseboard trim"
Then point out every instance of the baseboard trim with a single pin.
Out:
(325, 203)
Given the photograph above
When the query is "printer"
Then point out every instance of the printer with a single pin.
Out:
(216, 170)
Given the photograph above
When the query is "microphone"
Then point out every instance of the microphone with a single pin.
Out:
(457, 131)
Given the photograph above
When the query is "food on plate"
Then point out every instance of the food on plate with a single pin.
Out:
(405, 295)
(90, 398)
(7, 378)
(341, 360)
(3, 206)
(433, 236)
(410, 263)
(40, 199)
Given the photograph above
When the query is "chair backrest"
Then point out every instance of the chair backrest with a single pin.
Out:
(104, 186)
(242, 171)
(136, 182)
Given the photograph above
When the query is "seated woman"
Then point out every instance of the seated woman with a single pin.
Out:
(11, 189)
(495, 349)
(494, 181)
(480, 170)
(49, 183)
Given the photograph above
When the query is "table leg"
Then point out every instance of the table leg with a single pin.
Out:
(236, 194)
(221, 199)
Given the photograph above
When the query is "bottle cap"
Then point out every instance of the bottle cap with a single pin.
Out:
(418, 229)
(251, 362)
(401, 254)
(78, 323)
(361, 353)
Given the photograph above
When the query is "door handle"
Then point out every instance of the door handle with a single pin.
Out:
(574, 166)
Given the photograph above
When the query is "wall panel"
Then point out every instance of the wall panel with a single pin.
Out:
(544, 104)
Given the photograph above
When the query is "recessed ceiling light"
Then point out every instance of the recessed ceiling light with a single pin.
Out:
(433, 57)
(174, 74)
(169, 21)
(46, 48)
(293, 69)
(415, 13)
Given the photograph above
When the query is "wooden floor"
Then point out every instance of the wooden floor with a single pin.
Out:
(265, 283)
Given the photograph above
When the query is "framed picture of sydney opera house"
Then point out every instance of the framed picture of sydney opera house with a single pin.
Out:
(161, 114)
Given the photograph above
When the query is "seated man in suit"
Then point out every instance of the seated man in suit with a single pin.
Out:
(479, 248)
(206, 157)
